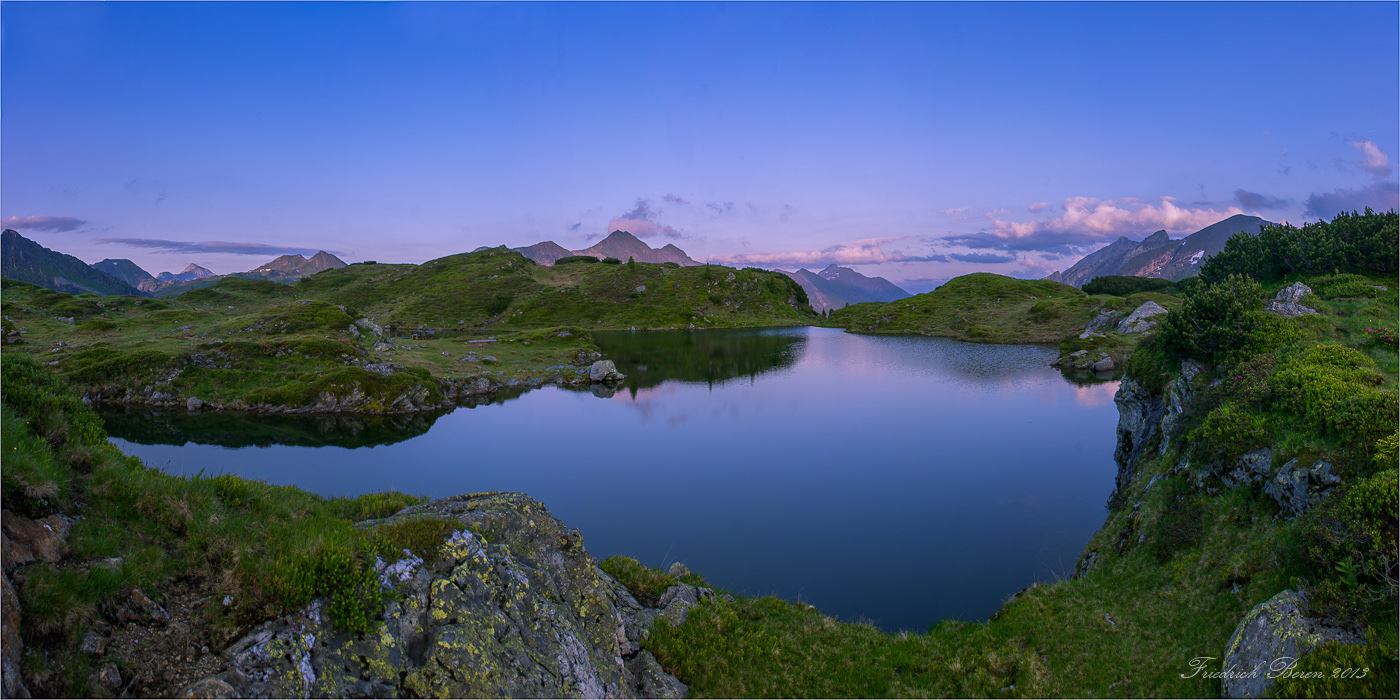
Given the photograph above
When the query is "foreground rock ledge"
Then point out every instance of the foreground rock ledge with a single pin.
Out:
(514, 606)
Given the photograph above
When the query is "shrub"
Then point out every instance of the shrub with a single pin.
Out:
(1346, 671)
(611, 261)
(1223, 322)
(646, 583)
(497, 304)
(1227, 432)
(1349, 243)
(569, 259)
(1122, 285)
(1351, 538)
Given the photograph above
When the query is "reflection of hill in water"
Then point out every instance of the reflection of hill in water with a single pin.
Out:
(175, 427)
(712, 356)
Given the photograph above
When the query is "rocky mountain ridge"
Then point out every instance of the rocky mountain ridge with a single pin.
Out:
(619, 244)
(1157, 255)
(836, 287)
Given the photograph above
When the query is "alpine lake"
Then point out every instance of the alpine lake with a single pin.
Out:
(895, 480)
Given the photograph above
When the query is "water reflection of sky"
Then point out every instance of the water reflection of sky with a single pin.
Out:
(903, 479)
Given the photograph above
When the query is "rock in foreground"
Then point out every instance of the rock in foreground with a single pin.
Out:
(513, 606)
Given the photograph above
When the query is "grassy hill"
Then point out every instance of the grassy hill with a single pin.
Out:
(980, 307)
(242, 343)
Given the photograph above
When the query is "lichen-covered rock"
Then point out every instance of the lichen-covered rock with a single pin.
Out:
(1270, 638)
(1139, 320)
(512, 606)
(1253, 467)
(1286, 302)
(1289, 488)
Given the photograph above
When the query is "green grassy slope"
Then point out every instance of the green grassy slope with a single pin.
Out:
(501, 288)
(987, 308)
(241, 343)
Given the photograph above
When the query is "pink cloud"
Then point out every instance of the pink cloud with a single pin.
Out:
(1374, 160)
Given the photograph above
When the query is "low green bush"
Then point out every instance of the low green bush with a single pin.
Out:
(1122, 285)
(569, 259)
(1337, 670)
(646, 583)
(1354, 535)
(611, 261)
(1227, 432)
(1224, 322)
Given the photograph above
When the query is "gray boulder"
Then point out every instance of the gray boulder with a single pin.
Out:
(193, 404)
(1104, 319)
(1139, 320)
(511, 606)
(1104, 365)
(1253, 467)
(1285, 303)
(1289, 488)
(1268, 640)
(604, 371)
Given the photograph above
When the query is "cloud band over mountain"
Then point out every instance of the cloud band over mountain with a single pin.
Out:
(56, 224)
(1086, 221)
(227, 247)
(867, 251)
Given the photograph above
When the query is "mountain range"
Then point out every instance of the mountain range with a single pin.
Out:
(27, 261)
(619, 244)
(1158, 255)
(836, 287)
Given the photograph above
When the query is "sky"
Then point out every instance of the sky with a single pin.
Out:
(912, 141)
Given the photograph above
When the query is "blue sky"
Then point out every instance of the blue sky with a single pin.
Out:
(912, 141)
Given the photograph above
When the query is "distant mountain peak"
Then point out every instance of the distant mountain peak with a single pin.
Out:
(618, 244)
(836, 286)
(24, 260)
(1157, 255)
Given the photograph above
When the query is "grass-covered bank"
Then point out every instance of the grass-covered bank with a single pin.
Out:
(264, 549)
(377, 338)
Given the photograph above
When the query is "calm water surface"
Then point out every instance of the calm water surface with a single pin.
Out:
(900, 480)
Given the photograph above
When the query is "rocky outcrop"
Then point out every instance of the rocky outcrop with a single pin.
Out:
(1268, 640)
(28, 540)
(512, 606)
(1286, 302)
(1140, 320)
(11, 646)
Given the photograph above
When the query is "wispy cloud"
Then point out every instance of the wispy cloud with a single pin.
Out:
(56, 224)
(673, 199)
(982, 257)
(1374, 160)
(1257, 202)
(642, 223)
(869, 251)
(1086, 221)
(720, 209)
(1037, 207)
(958, 211)
(234, 248)
(1381, 196)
